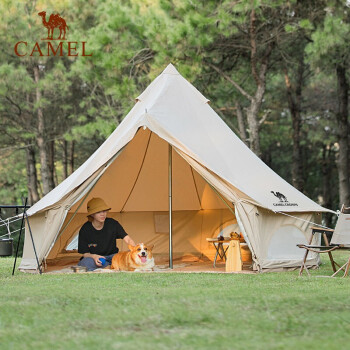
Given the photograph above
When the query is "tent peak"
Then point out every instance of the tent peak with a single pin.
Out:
(170, 69)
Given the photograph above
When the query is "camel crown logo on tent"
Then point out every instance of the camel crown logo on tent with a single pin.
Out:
(56, 21)
(283, 201)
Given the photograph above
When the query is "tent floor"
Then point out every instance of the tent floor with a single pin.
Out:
(186, 264)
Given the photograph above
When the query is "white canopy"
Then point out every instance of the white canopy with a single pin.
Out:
(178, 113)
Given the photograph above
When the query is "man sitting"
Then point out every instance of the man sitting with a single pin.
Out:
(97, 237)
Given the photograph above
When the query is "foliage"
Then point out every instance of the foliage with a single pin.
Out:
(330, 44)
(85, 98)
(13, 181)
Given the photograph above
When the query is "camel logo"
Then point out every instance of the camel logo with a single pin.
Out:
(55, 21)
(63, 47)
(280, 196)
(282, 200)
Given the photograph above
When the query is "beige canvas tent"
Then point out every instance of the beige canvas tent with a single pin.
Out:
(172, 143)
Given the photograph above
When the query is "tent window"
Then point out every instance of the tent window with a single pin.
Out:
(73, 245)
(283, 243)
(161, 223)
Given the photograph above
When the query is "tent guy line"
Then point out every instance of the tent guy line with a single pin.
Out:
(308, 221)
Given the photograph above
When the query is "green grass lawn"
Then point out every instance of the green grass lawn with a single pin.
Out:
(174, 311)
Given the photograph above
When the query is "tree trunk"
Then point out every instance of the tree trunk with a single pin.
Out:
(253, 111)
(253, 126)
(41, 136)
(327, 167)
(294, 103)
(259, 65)
(343, 138)
(65, 159)
(259, 75)
(241, 124)
(51, 153)
(254, 107)
(71, 158)
(32, 180)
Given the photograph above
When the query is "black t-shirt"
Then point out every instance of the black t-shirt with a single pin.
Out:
(101, 242)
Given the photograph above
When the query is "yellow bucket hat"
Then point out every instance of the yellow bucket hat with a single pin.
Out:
(95, 205)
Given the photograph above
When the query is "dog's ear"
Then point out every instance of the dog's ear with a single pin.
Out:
(150, 246)
(131, 247)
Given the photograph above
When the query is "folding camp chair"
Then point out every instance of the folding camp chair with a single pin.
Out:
(340, 240)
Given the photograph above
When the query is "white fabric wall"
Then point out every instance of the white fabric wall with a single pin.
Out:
(273, 236)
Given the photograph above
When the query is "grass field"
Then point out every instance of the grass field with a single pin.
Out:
(174, 311)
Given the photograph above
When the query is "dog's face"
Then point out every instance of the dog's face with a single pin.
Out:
(141, 253)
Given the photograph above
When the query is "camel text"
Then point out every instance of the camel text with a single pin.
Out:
(21, 49)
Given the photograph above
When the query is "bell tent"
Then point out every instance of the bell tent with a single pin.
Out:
(175, 174)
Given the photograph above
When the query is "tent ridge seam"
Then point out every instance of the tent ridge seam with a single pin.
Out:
(195, 185)
(138, 174)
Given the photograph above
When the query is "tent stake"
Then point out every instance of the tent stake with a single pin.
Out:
(170, 210)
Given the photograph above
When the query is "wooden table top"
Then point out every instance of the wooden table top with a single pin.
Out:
(226, 239)
(315, 228)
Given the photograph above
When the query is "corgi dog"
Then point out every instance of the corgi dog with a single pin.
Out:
(139, 258)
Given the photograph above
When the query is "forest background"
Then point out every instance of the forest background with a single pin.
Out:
(276, 72)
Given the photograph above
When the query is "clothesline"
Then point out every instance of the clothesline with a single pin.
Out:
(10, 233)
(6, 222)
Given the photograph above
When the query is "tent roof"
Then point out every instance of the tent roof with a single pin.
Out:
(177, 112)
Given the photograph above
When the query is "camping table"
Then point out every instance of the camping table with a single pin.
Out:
(219, 246)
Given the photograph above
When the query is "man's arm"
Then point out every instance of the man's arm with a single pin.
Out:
(128, 240)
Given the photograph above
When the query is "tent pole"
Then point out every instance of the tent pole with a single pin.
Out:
(170, 209)
(19, 238)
